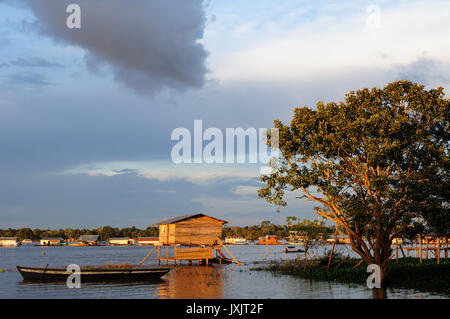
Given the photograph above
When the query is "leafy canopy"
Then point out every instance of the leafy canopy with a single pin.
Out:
(374, 163)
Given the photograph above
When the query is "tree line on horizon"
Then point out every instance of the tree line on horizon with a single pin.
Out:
(106, 232)
(281, 231)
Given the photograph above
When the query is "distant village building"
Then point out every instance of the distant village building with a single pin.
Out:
(9, 241)
(53, 241)
(268, 240)
(236, 241)
(121, 241)
(146, 241)
(27, 241)
(339, 239)
(89, 239)
(302, 236)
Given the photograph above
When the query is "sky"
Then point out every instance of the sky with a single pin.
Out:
(86, 115)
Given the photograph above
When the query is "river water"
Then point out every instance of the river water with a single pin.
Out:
(183, 281)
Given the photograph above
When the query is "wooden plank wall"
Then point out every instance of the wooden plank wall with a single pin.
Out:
(194, 253)
(163, 234)
(195, 231)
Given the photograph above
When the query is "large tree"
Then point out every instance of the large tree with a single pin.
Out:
(374, 163)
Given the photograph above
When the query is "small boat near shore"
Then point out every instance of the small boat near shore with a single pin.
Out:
(293, 249)
(44, 274)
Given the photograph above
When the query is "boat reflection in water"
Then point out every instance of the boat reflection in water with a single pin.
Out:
(186, 281)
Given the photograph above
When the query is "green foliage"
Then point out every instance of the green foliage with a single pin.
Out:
(307, 229)
(374, 163)
(256, 231)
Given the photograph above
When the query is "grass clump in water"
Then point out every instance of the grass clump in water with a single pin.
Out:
(408, 273)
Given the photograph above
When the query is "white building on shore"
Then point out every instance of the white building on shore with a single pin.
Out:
(9, 241)
(121, 241)
(236, 241)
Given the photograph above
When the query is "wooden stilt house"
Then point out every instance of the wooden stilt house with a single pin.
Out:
(193, 237)
(190, 230)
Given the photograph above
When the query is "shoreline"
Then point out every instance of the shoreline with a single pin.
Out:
(408, 273)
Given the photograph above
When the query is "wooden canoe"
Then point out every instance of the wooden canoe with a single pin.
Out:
(44, 274)
(291, 249)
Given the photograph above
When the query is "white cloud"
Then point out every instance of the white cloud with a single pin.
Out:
(246, 210)
(245, 190)
(167, 171)
(329, 44)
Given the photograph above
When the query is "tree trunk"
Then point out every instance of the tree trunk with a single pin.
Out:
(379, 293)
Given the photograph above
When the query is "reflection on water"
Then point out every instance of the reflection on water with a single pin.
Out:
(218, 281)
(187, 282)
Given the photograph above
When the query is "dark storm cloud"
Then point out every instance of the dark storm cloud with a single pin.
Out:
(148, 44)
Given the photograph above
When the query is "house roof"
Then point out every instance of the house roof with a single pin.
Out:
(53, 238)
(8, 238)
(184, 217)
(88, 238)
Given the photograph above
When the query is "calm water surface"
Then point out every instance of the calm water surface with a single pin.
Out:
(217, 281)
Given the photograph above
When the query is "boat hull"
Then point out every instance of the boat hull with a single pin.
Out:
(54, 275)
(291, 249)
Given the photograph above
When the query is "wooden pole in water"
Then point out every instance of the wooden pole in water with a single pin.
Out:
(401, 249)
(420, 244)
(446, 248)
(420, 247)
(267, 247)
(439, 251)
(396, 253)
(174, 254)
(167, 254)
(331, 254)
(159, 255)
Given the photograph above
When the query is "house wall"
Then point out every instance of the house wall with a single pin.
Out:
(195, 231)
(194, 253)
(8, 242)
(119, 241)
(147, 241)
(268, 241)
